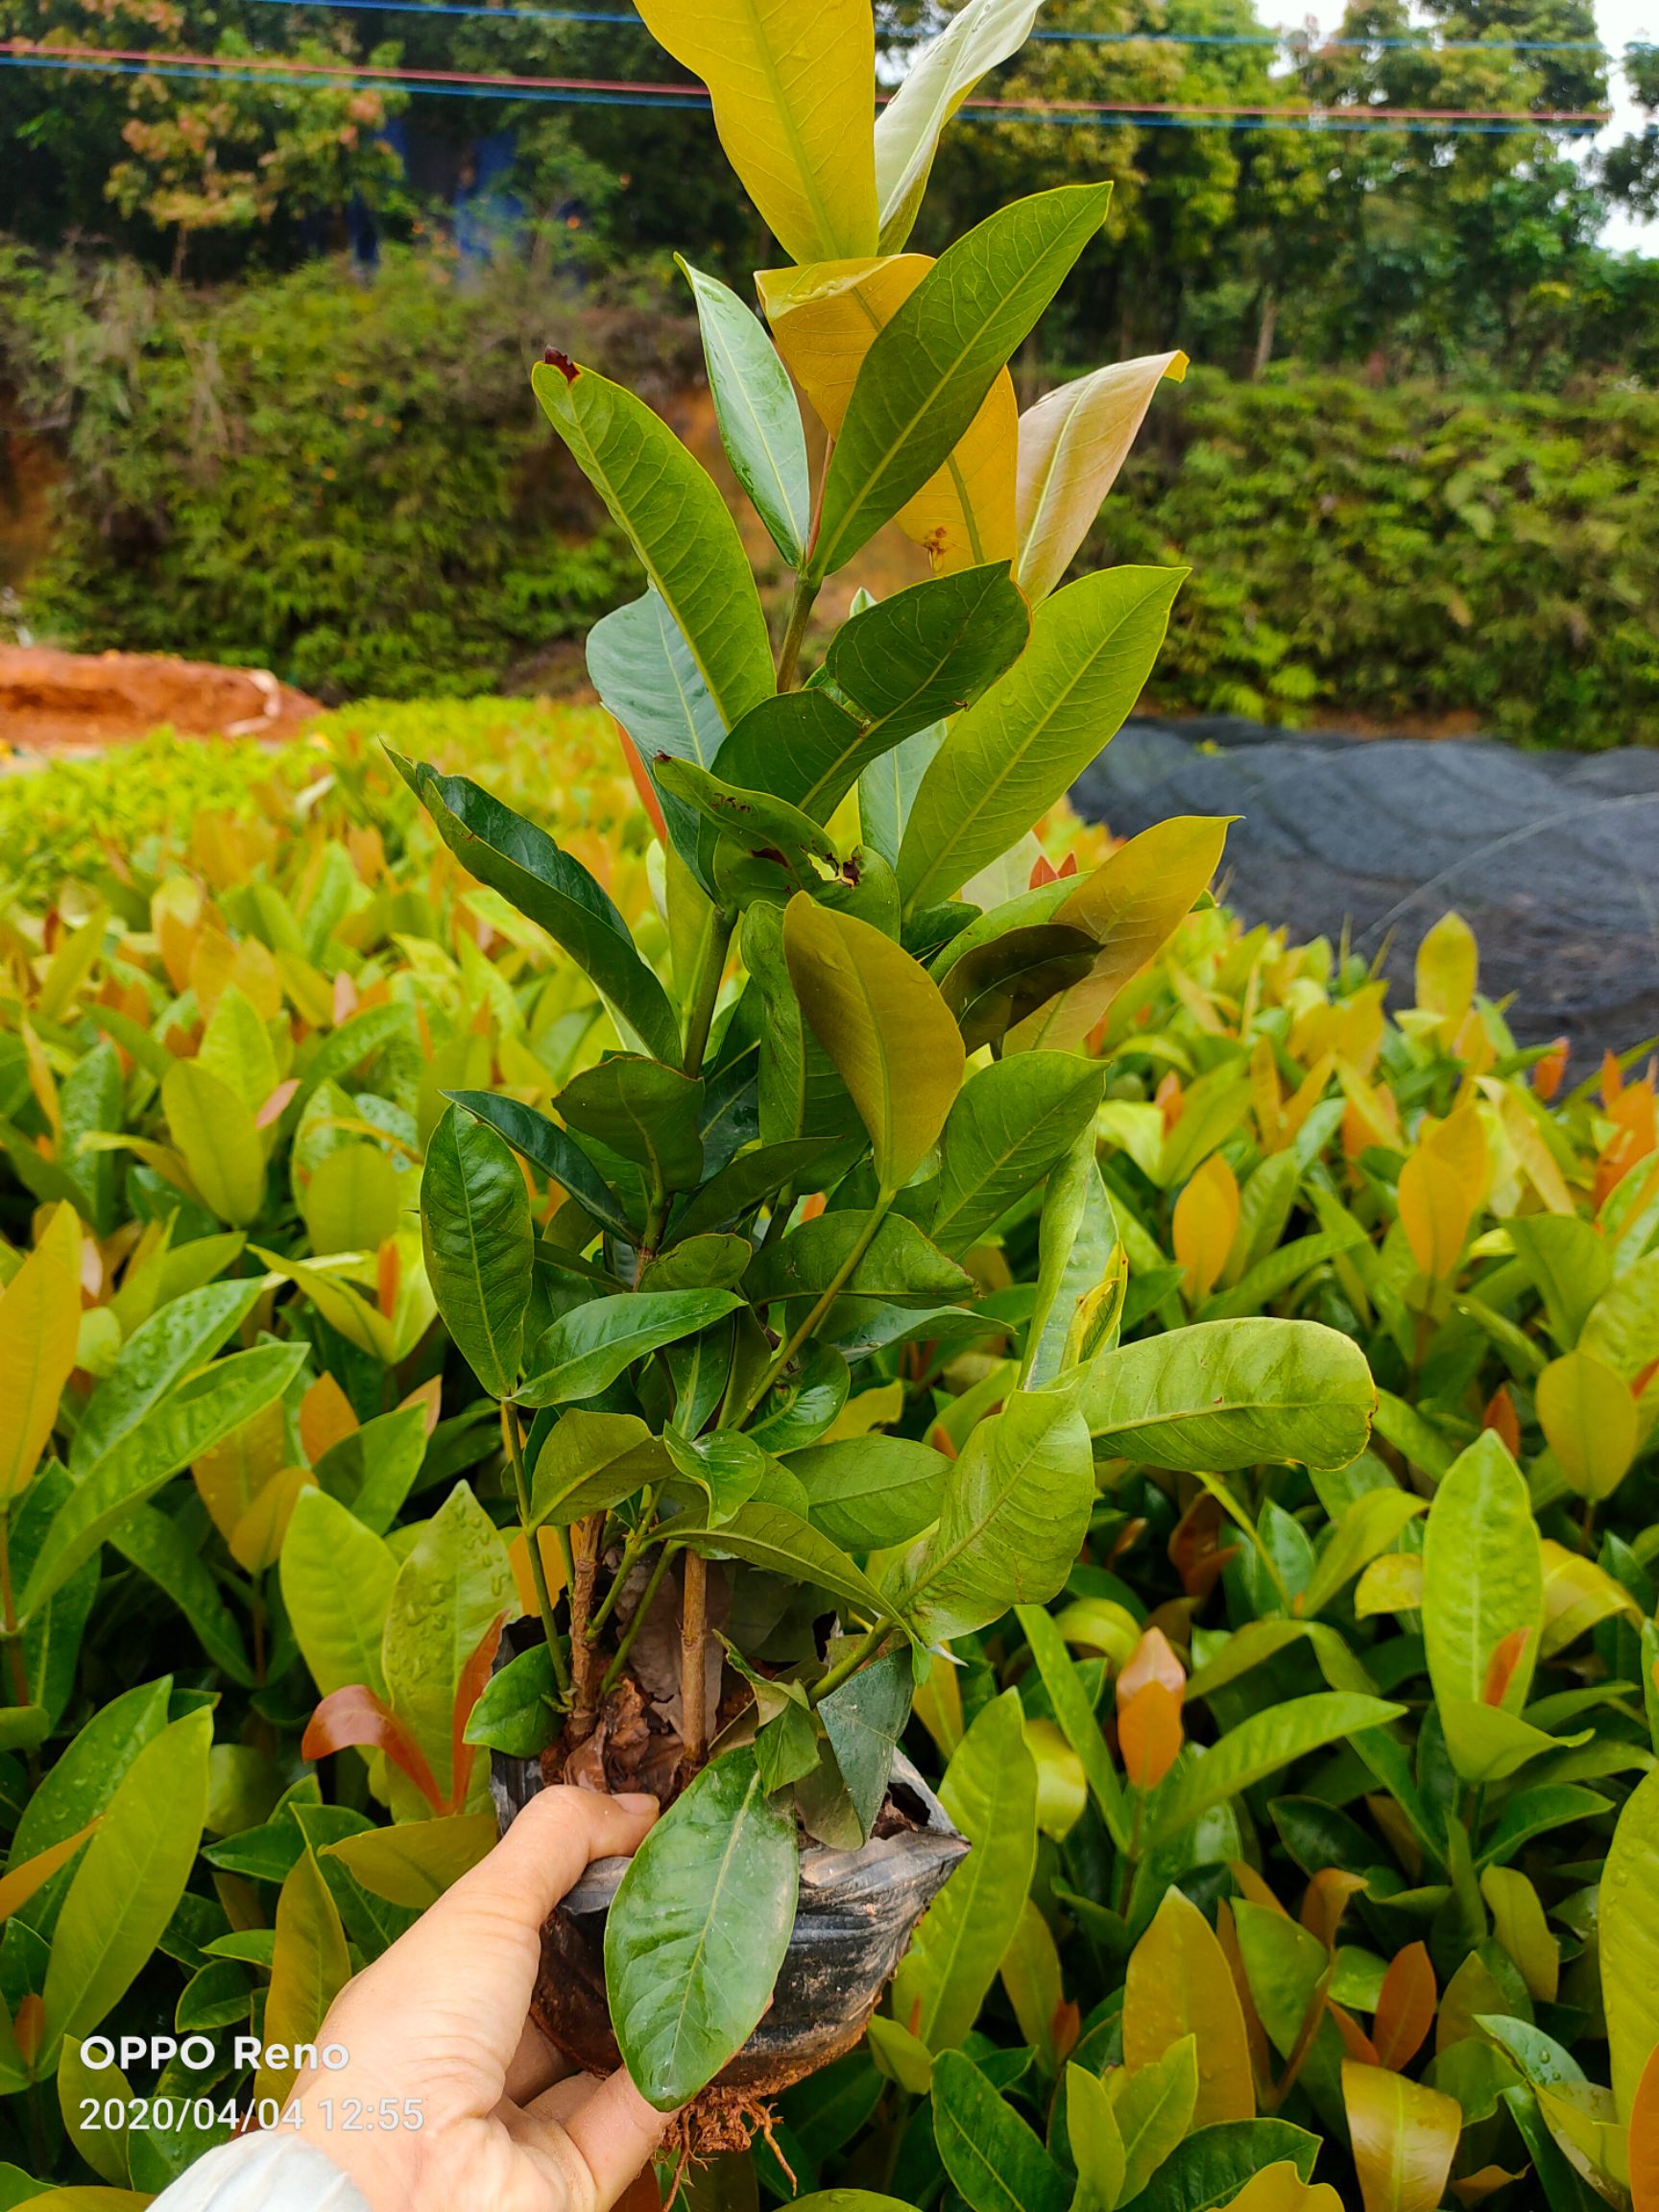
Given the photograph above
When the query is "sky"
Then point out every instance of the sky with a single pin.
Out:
(1620, 21)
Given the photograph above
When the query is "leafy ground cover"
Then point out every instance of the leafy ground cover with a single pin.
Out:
(1379, 1723)
(1413, 551)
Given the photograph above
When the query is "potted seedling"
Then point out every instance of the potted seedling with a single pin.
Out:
(855, 1052)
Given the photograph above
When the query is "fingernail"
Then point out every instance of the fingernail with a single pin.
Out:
(638, 1800)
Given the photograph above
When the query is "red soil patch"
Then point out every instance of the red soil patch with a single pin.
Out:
(63, 702)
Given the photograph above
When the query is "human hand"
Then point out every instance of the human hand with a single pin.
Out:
(442, 2018)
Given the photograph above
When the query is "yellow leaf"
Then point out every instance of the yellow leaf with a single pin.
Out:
(1280, 2188)
(1205, 1224)
(794, 93)
(1447, 965)
(1179, 1984)
(20, 1885)
(552, 1566)
(1391, 1584)
(882, 1020)
(1519, 1923)
(1581, 2117)
(1590, 1422)
(309, 1967)
(215, 1131)
(1441, 1186)
(325, 1418)
(39, 1328)
(1030, 1974)
(824, 320)
(1062, 1791)
(1404, 2136)
(1131, 905)
(231, 1474)
(1071, 445)
(256, 1540)
(1578, 1594)
(414, 1864)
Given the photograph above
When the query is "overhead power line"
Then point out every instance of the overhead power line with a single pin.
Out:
(1259, 39)
(512, 84)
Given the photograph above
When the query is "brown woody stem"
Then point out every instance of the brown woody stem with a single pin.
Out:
(694, 1659)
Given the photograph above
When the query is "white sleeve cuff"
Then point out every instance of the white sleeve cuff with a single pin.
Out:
(262, 2173)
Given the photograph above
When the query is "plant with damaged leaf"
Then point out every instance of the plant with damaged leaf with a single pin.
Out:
(779, 1182)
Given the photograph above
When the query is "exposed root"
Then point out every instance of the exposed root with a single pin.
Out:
(717, 2121)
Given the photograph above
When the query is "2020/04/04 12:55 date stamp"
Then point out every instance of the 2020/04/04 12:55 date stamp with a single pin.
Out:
(201, 2054)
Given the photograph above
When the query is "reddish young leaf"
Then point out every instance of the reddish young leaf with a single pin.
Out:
(389, 1275)
(644, 785)
(1355, 2041)
(1197, 1551)
(356, 1716)
(1504, 1661)
(1547, 1072)
(473, 1680)
(1405, 2008)
(1645, 2139)
(1500, 1418)
(1043, 872)
(1150, 1734)
(1325, 1900)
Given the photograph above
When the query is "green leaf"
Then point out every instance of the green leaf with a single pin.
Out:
(309, 1967)
(1001, 985)
(879, 1017)
(592, 1462)
(1210, 2168)
(545, 1146)
(552, 890)
(677, 522)
(158, 1546)
(372, 1470)
(1256, 1748)
(1013, 1122)
(1571, 1267)
(726, 1466)
(1015, 1512)
(990, 2153)
(1482, 1581)
(1628, 1940)
(772, 1537)
(887, 790)
(642, 669)
(744, 1184)
(1095, 2142)
(698, 1931)
(518, 1712)
(85, 1776)
(1283, 1965)
(128, 1882)
(1153, 2107)
(1370, 1527)
(1079, 1252)
(585, 1350)
(891, 671)
(990, 1792)
(479, 1243)
(864, 1721)
(759, 415)
(646, 1112)
(900, 1262)
(182, 1337)
(1009, 759)
(1225, 1394)
(940, 76)
(753, 821)
(929, 369)
(199, 1414)
(868, 1492)
(218, 1139)
(1076, 1716)
(337, 1578)
(454, 1584)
